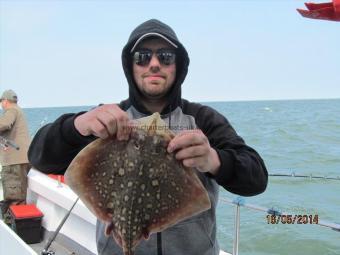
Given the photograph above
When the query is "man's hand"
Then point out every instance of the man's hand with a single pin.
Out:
(104, 121)
(193, 148)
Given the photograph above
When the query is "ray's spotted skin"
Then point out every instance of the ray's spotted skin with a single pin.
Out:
(136, 185)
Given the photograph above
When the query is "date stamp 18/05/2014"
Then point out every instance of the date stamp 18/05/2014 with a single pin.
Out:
(293, 219)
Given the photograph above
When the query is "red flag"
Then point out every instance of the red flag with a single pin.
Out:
(326, 11)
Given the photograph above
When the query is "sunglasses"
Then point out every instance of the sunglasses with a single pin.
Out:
(142, 57)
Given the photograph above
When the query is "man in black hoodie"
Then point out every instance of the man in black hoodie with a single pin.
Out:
(155, 64)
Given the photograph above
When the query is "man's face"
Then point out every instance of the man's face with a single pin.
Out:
(154, 79)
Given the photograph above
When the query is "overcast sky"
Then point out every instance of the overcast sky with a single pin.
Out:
(63, 53)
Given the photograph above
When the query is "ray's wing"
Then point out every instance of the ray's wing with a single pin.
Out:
(191, 199)
(177, 192)
(91, 175)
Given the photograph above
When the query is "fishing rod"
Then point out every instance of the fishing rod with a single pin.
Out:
(46, 250)
(5, 143)
(306, 176)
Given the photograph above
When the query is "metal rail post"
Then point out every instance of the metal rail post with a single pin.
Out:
(237, 229)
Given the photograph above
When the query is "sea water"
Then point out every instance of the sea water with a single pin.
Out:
(293, 137)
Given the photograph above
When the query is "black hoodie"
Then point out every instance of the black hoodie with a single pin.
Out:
(174, 95)
(242, 170)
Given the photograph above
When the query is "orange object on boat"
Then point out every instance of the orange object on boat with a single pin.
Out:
(325, 11)
(25, 211)
(57, 177)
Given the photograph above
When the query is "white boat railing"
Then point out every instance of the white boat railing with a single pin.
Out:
(276, 216)
(309, 176)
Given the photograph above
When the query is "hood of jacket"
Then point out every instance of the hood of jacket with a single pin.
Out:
(182, 62)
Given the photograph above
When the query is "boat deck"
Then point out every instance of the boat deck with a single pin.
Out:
(55, 246)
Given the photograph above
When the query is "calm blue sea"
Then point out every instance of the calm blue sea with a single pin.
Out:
(300, 136)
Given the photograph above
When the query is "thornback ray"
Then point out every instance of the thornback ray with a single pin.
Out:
(136, 186)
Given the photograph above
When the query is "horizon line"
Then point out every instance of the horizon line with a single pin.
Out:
(214, 101)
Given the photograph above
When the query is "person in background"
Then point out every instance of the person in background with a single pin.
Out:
(155, 64)
(13, 156)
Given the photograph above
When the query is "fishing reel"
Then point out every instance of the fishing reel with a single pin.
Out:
(47, 252)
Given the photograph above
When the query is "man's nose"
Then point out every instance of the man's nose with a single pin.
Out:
(154, 61)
